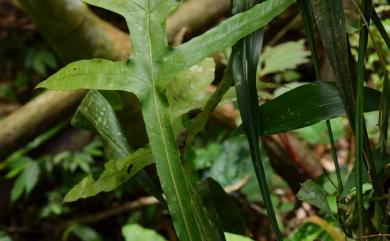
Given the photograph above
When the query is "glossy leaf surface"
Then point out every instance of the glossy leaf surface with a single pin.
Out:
(307, 105)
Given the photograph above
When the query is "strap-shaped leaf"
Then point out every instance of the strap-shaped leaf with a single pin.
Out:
(245, 59)
(307, 105)
(297, 110)
(224, 35)
(330, 19)
(97, 74)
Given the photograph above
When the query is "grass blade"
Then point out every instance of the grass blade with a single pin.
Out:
(379, 25)
(330, 20)
(311, 39)
(224, 35)
(307, 105)
(384, 117)
(245, 58)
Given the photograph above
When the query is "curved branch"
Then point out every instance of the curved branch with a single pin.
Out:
(79, 34)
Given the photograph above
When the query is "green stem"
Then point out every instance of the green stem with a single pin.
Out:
(335, 159)
(359, 121)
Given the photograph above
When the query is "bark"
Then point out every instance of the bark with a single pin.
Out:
(75, 33)
(33, 118)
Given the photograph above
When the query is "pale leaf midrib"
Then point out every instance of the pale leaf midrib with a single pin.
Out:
(157, 114)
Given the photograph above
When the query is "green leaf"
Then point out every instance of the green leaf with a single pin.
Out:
(309, 232)
(96, 114)
(147, 74)
(225, 35)
(318, 133)
(97, 74)
(4, 237)
(26, 181)
(315, 195)
(312, 41)
(283, 57)
(379, 25)
(226, 212)
(135, 232)
(245, 59)
(84, 233)
(115, 174)
(235, 237)
(307, 105)
(149, 42)
(188, 91)
(360, 129)
(351, 181)
(330, 19)
(199, 122)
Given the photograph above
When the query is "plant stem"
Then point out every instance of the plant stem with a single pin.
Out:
(359, 121)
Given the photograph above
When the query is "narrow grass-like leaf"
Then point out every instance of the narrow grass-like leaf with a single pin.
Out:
(224, 35)
(330, 20)
(311, 39)
(334, 155)
(245, 59)
(307, 105)
(379, 25)
(384, 117)
(147, 74)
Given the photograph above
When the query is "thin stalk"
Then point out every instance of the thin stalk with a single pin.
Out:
(382, 218)
(335, 159)
(384, 117)
(383, 125)
(359, 121)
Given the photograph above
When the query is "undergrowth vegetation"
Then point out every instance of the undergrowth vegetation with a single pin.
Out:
(198, 174)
